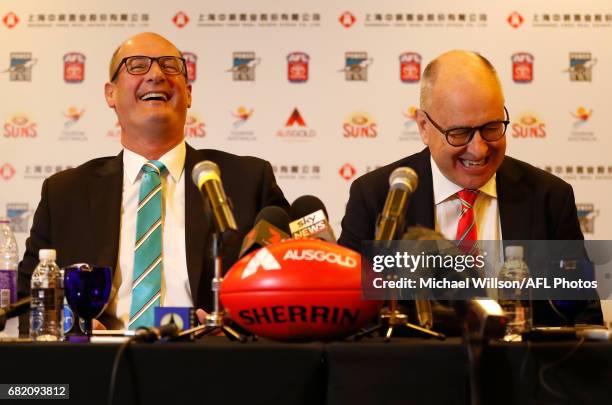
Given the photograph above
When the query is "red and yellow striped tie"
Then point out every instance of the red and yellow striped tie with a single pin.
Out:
(467, 232)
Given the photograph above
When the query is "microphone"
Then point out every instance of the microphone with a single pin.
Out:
(271, 226)
(402, 182)
(150, 335)
(309, 219)
(482, 317)
(207, 177)
(15, 309)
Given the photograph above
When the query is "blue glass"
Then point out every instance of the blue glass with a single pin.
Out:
(87, 291)
(575, 301)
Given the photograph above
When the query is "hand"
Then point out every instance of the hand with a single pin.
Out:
(97, 325)
(201, 314)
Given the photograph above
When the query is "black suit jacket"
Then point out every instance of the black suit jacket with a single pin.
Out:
(533, 205)
(79, 215)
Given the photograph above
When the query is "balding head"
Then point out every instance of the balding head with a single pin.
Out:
(125, 49)
(151, 105)
(461, 91)
(459, 68)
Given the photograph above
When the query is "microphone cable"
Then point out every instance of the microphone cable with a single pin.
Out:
(145, 335)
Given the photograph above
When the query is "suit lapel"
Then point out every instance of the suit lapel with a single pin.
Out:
(420, 209)
(105, 191)
(196, 228)
(514, 199)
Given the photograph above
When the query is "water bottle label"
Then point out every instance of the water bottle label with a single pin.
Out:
(5, 297)
(52, 299)
(8, 287)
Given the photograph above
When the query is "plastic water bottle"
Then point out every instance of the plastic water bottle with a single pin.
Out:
(47, 312)
(515, 301)
(9, 259)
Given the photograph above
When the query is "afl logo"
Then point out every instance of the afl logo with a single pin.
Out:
(74, 67)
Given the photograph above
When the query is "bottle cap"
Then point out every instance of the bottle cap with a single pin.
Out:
(5, 220)
(514, 251)
(46, 254)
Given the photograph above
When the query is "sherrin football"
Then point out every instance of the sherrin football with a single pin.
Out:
(298, 290)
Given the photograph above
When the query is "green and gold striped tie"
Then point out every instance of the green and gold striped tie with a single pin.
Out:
(146, 281)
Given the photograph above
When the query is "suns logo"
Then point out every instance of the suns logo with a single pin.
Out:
(529, 126)
(20, 126)
(359, 125)
(194, 127)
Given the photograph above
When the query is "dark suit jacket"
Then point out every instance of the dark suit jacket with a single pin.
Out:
(79, 215)
(533, 204)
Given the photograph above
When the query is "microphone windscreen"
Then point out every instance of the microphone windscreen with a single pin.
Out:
(404, 177)
(276, 216)
(305, 205)
(206, 168)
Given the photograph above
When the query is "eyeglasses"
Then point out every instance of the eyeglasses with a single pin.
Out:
(461, 136)
(140, 65)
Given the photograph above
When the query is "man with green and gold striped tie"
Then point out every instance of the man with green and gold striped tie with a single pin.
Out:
(138, 212)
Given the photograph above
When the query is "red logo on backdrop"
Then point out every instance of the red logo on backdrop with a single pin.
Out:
(296, 127)
(347, 19)
(7, 171)
(515, 20)
(295, 118)
(74, 67)
(347, 171)
(522, 67)
(180, 19)
(410, 67)
(191, 61)
(297, 67)
(20, 127)
(10, 20)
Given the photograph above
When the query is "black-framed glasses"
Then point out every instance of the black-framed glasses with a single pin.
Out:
(140, 65)
(461, 136)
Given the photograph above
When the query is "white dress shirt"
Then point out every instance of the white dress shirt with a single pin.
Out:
(175, 290)
(486, 214)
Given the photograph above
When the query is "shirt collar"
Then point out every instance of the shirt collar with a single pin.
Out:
(443, 188)
(174, 160)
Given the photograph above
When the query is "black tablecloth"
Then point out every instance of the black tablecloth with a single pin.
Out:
(210, 371)
(433, 372)
(404, 371)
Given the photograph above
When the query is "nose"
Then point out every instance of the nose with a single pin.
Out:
(155, 73)
(478, 146)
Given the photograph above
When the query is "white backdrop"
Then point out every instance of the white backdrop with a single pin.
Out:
(54, 59)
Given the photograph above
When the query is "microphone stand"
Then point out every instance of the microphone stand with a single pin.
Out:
(216, 320)
(392, 316)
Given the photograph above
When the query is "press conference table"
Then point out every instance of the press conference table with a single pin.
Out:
(404, 371)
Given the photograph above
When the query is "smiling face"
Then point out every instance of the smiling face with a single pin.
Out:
(465, 93)
(151, 107)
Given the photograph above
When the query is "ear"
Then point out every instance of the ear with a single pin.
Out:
(422, 122)
(109, 94)
(188, 96)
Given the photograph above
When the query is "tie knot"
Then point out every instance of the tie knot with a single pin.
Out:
(154, 166)
(467, 196)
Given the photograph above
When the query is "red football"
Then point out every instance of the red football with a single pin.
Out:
(298, 289)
